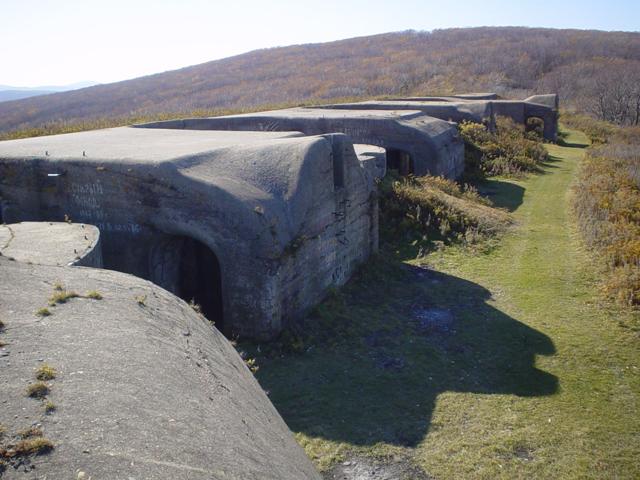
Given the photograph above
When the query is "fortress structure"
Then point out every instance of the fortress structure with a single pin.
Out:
(414, 143)
(252, 226)
(252, 217)
(478, 108)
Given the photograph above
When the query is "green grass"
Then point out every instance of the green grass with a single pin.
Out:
(94, 295)
(49, 407)
(46, 372)
(33, 446)
(61, 296)
(43, 312)
(37, 390)
(517, 372)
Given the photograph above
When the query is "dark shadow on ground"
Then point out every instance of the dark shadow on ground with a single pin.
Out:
(503, 194)
(548, 164)
(563, 143)
(371, 361)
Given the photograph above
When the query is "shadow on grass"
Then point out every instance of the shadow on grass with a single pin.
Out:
(503, 194)
(373, 359)
(564, 143)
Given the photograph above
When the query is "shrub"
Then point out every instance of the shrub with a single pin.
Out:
(510, 150)
(141, 300)
(598, 131)
(436, 205)
(61, 296)
(534, 129)
(94, 295)
(252, 365)
(33, 446)
(43, 312)
(46, 372)
(30, 432)
(607, 205)
(37, 390)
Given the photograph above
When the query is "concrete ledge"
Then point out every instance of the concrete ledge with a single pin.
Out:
(415, 143)
(49, 243)
(145, 387)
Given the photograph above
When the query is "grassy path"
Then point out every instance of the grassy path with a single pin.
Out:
(485, 365)
(589, 428)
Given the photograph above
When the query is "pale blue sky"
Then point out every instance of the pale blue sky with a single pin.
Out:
(65, 41)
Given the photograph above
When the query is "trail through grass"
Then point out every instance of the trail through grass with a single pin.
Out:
(500, 364)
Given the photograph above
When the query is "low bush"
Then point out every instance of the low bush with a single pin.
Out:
(46, 372)
(61, 296)
(33, 446)
(424, 205)
(37, 390)
(597, 130)
(509, 150)
(607, 205)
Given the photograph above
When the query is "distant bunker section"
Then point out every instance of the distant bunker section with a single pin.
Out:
(458, 112)
(414, 142)
(254, 227)
(49, 243)
(480, 108)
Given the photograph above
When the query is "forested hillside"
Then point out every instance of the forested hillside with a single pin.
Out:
(580, 65)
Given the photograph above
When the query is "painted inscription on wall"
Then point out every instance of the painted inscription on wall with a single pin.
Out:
(88, 199)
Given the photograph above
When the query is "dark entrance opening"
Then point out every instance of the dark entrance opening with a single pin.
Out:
(199, 280)
(535, 126)
(400, 161)
(189, 269)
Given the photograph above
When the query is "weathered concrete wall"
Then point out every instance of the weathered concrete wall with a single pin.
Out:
(373, 159)
(547, 108)
(142, 391)
(478, 107)
(286, 218)
(521, 111)
(460, 111)
(477, 96)
(551, 100)
(49, 243)
(433, 144)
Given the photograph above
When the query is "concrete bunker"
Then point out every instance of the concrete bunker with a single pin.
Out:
(271, 219)
(433, 145)
(478, 108)
(447, 109)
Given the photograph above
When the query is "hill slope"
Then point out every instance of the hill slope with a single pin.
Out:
(9, 95)
(508, 60)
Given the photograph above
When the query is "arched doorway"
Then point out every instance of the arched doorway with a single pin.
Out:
(191, 270)
(400, 161)
(535, 126)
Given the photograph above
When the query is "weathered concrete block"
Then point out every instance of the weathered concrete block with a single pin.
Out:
(415, 143)
(444, 109)
(253, 226)
(373, 159)
(48, 243)
(475, 107)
